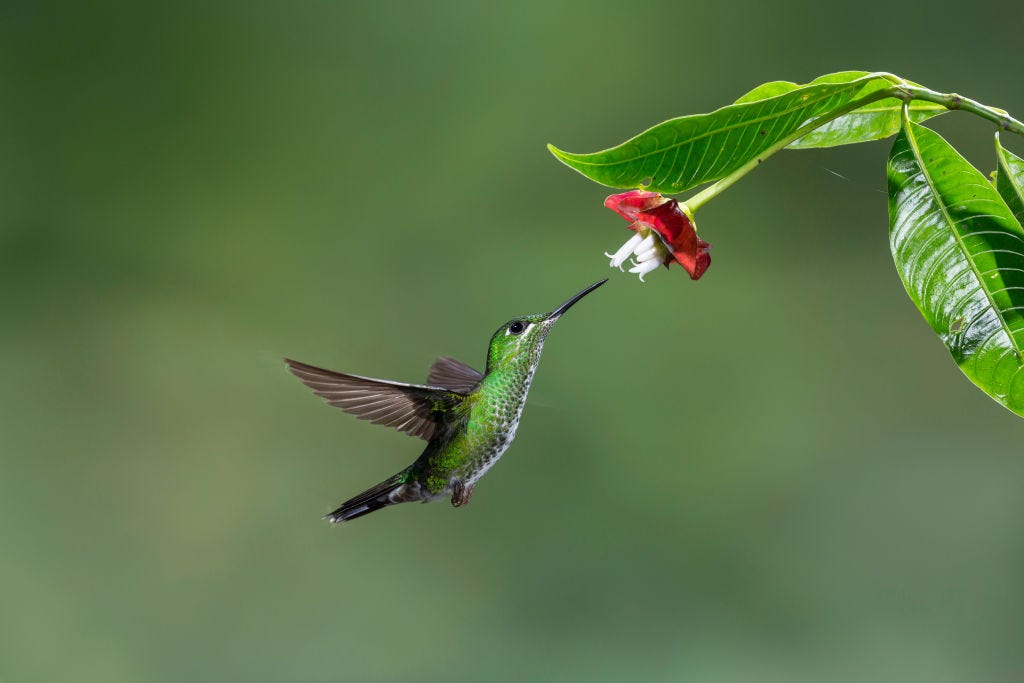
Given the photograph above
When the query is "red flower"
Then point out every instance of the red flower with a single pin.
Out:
(664, 233)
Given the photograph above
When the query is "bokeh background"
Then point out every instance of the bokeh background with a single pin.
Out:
(775, 474)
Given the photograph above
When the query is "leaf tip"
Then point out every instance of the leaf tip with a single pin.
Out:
(574, 161)
(559, 154)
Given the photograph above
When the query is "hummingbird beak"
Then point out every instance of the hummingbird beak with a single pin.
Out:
(557, 313)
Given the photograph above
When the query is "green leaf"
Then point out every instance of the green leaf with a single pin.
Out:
(871, 122)
(1010, 180)
(688, 151)
(774, 88)
(684, 152)
(960, 252)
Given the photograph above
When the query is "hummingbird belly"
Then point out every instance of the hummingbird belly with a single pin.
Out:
(478, 467)
(491, 427)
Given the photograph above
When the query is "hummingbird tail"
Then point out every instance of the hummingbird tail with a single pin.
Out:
(388, 492)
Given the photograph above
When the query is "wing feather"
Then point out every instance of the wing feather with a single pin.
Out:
(453, 374)
(411, 408)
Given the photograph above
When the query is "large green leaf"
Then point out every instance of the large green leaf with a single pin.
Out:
(1010, 180)
(684, 152)
(691, 150)
(960, 252)
(871, 122)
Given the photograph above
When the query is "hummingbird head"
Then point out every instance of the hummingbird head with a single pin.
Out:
(521, 339)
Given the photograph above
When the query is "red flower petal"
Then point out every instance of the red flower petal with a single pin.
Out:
(694, 258)
(664, 216)
(675, 227)
(629, 204)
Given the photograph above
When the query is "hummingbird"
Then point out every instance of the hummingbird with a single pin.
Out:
(468, 419)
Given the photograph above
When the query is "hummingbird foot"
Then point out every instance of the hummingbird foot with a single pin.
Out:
(461, 494)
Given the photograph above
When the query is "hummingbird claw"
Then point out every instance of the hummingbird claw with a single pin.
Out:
(461, 494)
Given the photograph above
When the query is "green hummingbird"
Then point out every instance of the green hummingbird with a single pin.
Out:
(468, 419)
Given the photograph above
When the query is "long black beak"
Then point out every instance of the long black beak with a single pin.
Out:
(555, 314)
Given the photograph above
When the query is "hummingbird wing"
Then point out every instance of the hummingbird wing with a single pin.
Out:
(452, 374)
(410, 408)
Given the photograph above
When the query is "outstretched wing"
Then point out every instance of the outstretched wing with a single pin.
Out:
(409, 408)
(452, 374)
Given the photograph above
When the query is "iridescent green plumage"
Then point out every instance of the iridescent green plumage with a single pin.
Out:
(468, 419)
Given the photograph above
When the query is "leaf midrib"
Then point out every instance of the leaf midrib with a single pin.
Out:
(870, 109)
(912, 139)
(775, 115)
(1010, 177)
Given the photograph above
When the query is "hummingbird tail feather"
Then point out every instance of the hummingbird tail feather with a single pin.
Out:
(388, 492)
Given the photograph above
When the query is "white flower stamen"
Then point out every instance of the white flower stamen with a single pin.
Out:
(648, 255)
(642, 269)
(624, 251)
(647, 250)
(647, 243)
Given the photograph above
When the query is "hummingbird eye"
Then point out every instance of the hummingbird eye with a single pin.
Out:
(516, 327)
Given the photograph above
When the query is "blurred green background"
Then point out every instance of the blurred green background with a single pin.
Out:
(775, 474)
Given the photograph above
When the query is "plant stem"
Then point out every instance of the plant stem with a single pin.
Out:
(951, 101)
(707, 194)
(900, 90)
